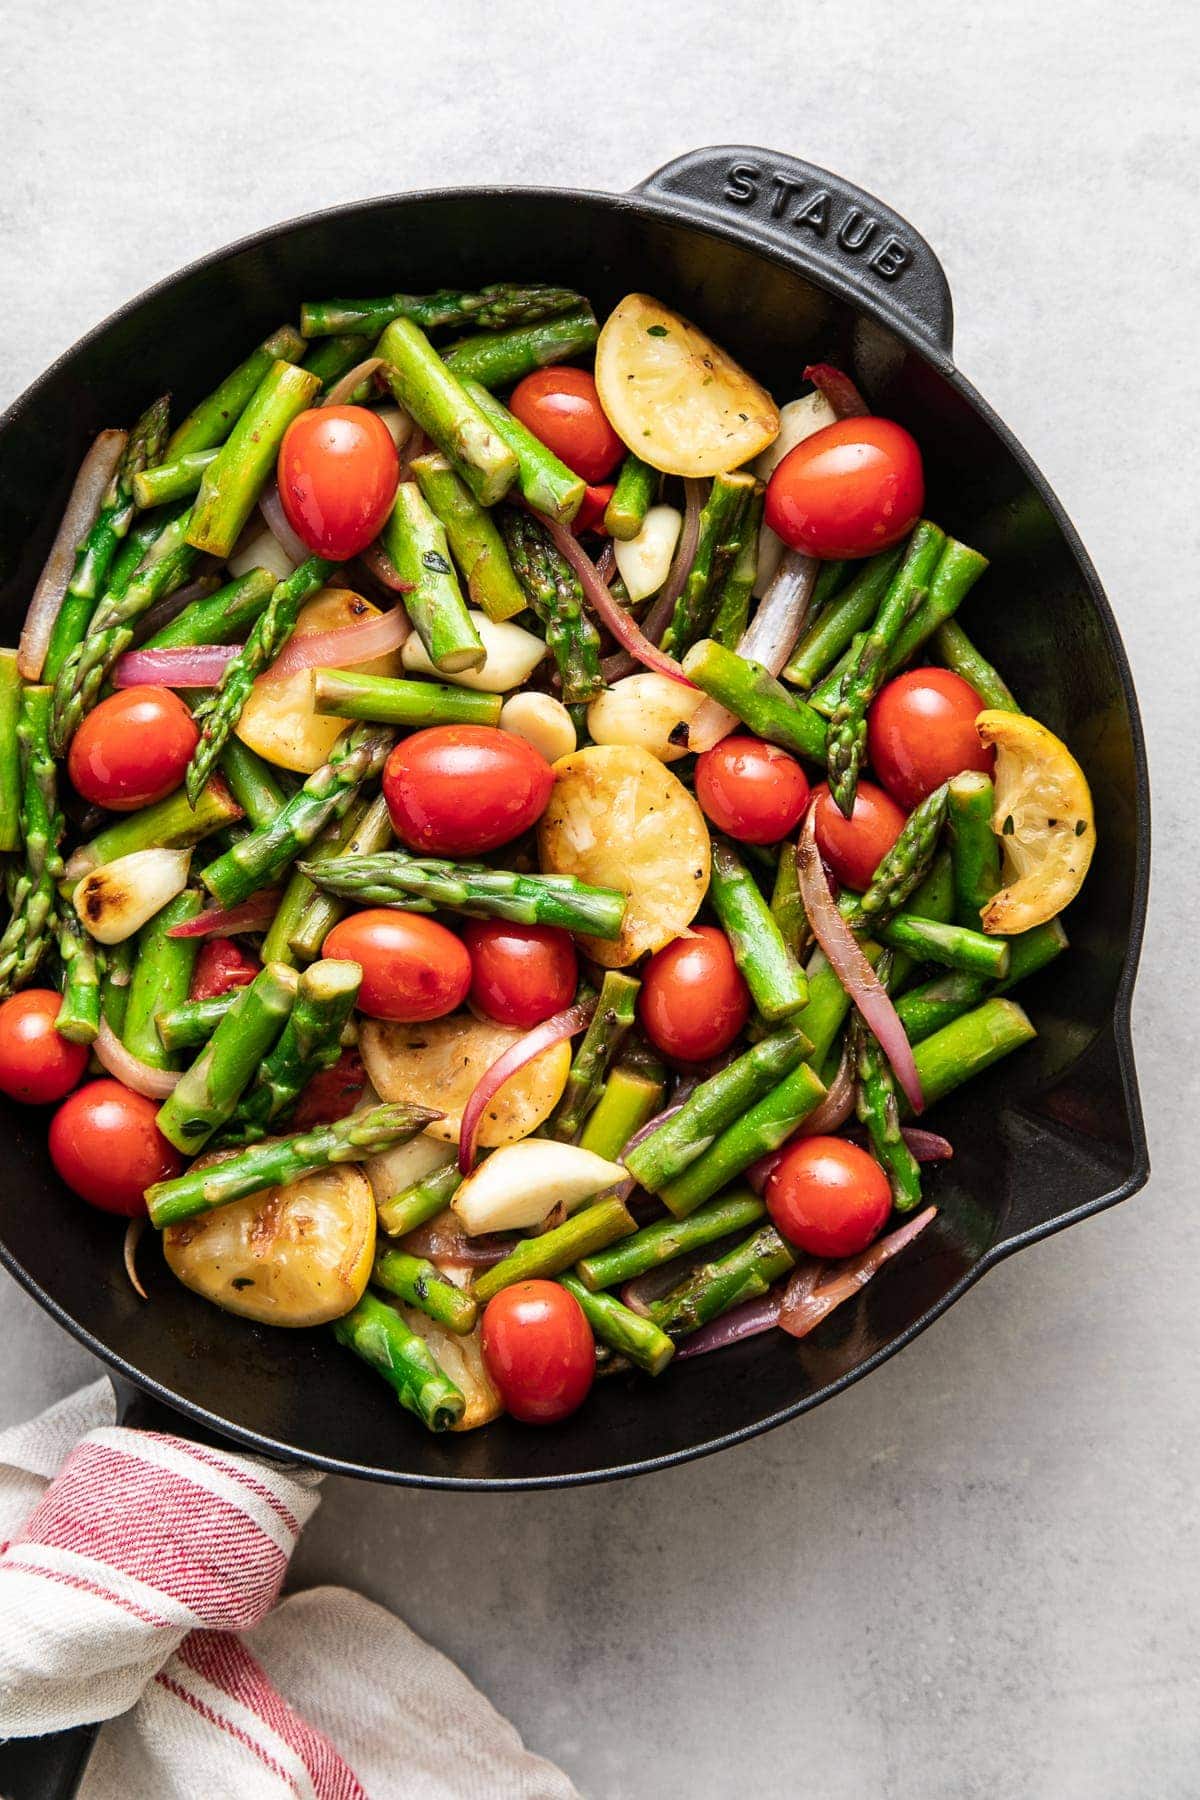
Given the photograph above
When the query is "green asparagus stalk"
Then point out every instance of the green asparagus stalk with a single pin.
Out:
(904, 867)
(955, 946)
(623, 1330)
(494, 308)
(177, 480)
(767, 1125)
(475, 543)
(541, 1257)
(208, 1092)
(963, 1049)
(253, 783)
(376, 1333)
(230, 486)
(499, 359)
(423, 1200)
(72, 623)
(33, 887)
(554, 592)
(421, 1284)
(416, 543)
(787, 907)
(306, 916)
(633, 496)
(746, 688)
(716, 547)
(925, 1009)
(169, 824)
(332, 357)
(733, 605)
(954, 647)
(116, 977)
(628, 1101)
(834, 629)
(79, 1015)
(774, 977)
(162, 973)
(932, 899)
(830, 578)
(610, 1025)
(442, 407)
(716, 1105)
(665, 1239)
(218, 713)
(210, 422)
(192, 1022)
(743, 1273)
(10, 753)
(974, 846)
(309, 1043)
(224, 617)
(545, 482)
(877, 1110)
(257, 860)
(419, 883)
(386, 700)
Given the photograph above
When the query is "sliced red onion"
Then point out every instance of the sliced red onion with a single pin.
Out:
(659, 616)
(381, 566)
(341, 649)
(851, 967)
(165, 612)
(95, 472)
(133, 1237)
(926, 1146)
(226, 921)
(444, 1240)
(189, 666)
(155, 1084)
(838, 389)
(773, 634)
(341, 390)
(747, 1320)
(806, 1302)
(759, 1173)
(543, 1037)
(625, 629)
(271, 508)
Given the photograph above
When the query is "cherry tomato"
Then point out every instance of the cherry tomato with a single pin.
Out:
(457, 790)
(592, 509)
(562, 408)
(754, 791)
(337, 472)
(539, 1350)
(221, 965)
(413, 968)
(132, 749)
(36, 1065)
(331, 1094)
(921, 731)
(694, 1001)
(105, 1144)
(855, 847)
(848, 490)
(520, 974)
(828, 1197)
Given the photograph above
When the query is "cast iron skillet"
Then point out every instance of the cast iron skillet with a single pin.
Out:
(784, 264)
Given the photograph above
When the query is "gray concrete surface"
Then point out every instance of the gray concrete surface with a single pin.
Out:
(975, 1574)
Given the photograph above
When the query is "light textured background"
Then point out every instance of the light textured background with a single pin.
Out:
(976, 1573)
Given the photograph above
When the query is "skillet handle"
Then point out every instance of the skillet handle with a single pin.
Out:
(828, 227)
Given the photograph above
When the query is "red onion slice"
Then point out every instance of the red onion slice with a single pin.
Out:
(225, 921)
(926, 1146)
(838, 389)
(133, 1237)
(380, 565)
(659, 616)
(625, 629)
(342, 389)
(542, 1037)
(95, 472)
(341, 649)
(747, 1320)
(155, 1084)
(772, 635)
(271, 508)
(851, 966)
(194, 666)
(444, 1240)
(806, 1303)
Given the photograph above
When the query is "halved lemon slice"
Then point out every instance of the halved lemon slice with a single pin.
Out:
(674, 396)
(1043, 819)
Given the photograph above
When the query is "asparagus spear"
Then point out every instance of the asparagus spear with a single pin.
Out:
(306, 916)
(665, 1239)
(933, 899)
(774, 977)
(925, 1009)
(257, 860)
(162, 973)
(628, 1101)
(79, 1015)
(633, 496)
(540, 1257)
(716, 548)
(623, 1330)
(748, 689)
(499, 359)
(116, 976)
(416, 543)
(422, 1201)
(494, 308)
(377, 1333)
(224, 617)
(741, 1274)
(904, 867)
(834, 629)
(974, 847)
(68, 631)
(733, 604)
(419, 883)
(167, 481)
(422, 1285)
(927, 940)
(213, 419)
(767, 1125)
(555, 594)
(192, 1022)
(10, 753)
(787, 908)
(877, 1109)
(954, 647)
(169, 824)
(208, 1092)
(609, 1026)
(412, 704)
(218, 713)
(545, 482)
(33, 888)
(332, 357)
(828, 1003)
(963, 1049)
(253, 782)
(441, 406)
(475, 543)
(309, 1043)
(715, 1105)
(231, 484)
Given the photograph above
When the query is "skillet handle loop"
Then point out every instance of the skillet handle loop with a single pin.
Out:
(826, 226)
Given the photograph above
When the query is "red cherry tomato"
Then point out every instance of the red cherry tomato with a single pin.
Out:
(222, 964)
(337, 472)
(36, 1065)
(105, 1144)
(828, 1197)
(754, 791)
(848, 490)
(855, 847)
(413, 968)
(331, 1094)
(921, 731)
(592, 509)
(562, 408)
(539, 1350)
(457, 790)
(132, 749)
(694, 1001)
(520, 974)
